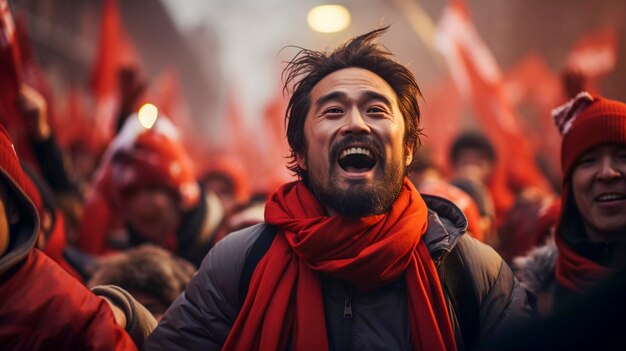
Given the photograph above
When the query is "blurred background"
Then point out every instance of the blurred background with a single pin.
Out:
(163, 122)
(214, 66)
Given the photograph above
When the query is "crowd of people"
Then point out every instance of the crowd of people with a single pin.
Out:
(372, 247)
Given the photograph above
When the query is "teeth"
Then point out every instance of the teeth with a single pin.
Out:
(355, 150)
(610, 197)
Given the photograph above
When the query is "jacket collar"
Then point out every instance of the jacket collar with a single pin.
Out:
(446, 225)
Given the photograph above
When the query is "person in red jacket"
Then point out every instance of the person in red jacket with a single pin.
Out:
(42, 307)
(147, 192)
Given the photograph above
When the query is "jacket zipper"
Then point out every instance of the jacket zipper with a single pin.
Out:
(348, 320)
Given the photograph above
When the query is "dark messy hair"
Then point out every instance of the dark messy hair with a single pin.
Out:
(473, 140)
(308, 67)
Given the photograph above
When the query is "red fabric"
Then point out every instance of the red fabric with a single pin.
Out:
(11, 78)
(576, 272)
(443, 101)
(234, 170)
(479, 79)
(285, 296)
(155, 159)
(595, 54)
(548, 219)
(11, 166)
(98, 218)
(115, 51)
(533, 87)
(10, 60)
(465, 203)
(603, 121)
(56, 244)
(44, 308)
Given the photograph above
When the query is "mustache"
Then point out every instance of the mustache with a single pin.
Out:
(364, 140)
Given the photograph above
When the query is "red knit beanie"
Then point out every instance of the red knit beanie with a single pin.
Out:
(154, 159)
(587, 122)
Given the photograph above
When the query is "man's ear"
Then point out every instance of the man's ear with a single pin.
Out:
(301, 161)
(409, 156)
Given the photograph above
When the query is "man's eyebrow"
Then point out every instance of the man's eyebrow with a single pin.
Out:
(339, 95)
(372, 95)
(335, 95)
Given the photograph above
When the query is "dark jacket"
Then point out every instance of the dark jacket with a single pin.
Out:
(201, 318)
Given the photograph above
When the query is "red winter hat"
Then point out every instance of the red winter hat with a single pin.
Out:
(27, 197)
(155, 160)
(587, 122)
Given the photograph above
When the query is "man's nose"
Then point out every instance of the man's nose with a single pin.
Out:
(609, 168)
(355, 123)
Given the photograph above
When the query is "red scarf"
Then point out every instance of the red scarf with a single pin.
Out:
(285, 299)
(573, 271)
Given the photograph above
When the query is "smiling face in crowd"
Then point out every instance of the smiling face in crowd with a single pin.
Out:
(355, 152)
(153, 212)
(599, 189)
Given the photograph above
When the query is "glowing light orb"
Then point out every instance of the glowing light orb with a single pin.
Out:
(328, 18)
(148, 114)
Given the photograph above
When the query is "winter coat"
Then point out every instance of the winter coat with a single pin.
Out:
(201, 318)
(42, 307)
(536, 273)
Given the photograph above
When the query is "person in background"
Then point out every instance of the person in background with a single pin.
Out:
(150, 274)
(43, 307)
(428, 180)
(147, 192)
(590, 237)
(225, 177)
(51, 164)
(513, 216)
(472, 159)
(349, 255)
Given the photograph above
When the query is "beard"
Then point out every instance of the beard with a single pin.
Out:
(360, 199)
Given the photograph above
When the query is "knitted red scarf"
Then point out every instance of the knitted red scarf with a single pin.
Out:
(573, 271)
(576, 272)
(284, 298)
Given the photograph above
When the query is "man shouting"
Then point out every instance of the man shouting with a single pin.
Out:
(350, 256)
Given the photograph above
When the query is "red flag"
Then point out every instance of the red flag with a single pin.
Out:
(77, 128)
(275, 139)
(10, 81)
(595, 54)
(115, 51)
(10, 62)
(441, 114)
(32, 73)
(165, 93)
(532, 85)
(479, 79)
(234, 143)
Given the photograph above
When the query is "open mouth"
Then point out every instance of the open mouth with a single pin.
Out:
(608, 197)
(357, 159)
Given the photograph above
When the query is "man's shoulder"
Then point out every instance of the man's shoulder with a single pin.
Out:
(479, 256)
(235, 246)
(446, 225)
